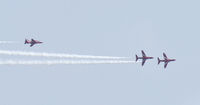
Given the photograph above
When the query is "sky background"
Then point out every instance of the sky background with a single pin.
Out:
(105, 28)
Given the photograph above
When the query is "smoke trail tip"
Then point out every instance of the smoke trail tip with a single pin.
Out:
(8, 42)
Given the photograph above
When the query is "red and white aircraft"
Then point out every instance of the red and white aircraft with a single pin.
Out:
(166, 60)
(144, 57)
(32, 42)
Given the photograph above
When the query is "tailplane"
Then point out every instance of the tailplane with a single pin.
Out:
(136, 58)
(158, 61)
(26, 41)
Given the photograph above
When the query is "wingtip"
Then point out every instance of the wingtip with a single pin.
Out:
(164, 53)
(165, 66)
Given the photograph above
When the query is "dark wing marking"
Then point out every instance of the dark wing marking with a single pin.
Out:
(143, 61)
(143, 54)
(165, 56)
(32, 40)
(31, 44)
(165, 64)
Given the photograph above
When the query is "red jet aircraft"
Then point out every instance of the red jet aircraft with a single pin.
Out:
(144, 57)
(32, 42)
(166, 60)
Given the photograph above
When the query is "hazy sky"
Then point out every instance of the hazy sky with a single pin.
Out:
(102, 27)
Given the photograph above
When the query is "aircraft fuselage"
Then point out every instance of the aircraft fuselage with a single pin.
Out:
(145, 57)
(167, 60)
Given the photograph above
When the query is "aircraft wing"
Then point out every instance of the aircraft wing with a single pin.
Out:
(164, 55)
(143, 61)
(31, 44)
(165, 64)
(32, 40)
(143, 54)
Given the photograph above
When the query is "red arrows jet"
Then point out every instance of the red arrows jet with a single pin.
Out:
(166, 60)
(144, 57)
(32, 42)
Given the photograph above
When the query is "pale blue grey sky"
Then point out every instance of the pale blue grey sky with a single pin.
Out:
(102, 27)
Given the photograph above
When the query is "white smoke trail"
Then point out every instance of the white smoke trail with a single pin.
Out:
(22, 53)
(7, 42)
(12, 62)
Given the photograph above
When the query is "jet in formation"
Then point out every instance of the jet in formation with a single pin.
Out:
(144, 58)
(166, 60)
(32, 42)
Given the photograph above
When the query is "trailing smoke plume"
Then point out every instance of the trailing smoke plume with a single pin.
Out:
(34, 62)
(22, 53)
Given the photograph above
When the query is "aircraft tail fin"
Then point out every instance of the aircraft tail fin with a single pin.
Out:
(26, 41)
(136, 58)
(158, 60)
